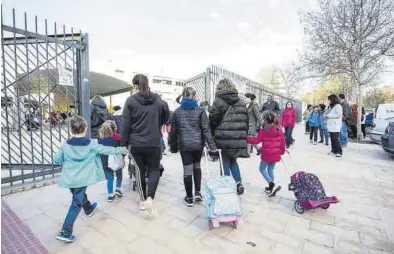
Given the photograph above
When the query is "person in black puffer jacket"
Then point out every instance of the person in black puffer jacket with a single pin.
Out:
(229, 124)
(98, 115)
(189, 132)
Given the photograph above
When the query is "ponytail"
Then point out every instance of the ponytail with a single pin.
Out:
(187, 92)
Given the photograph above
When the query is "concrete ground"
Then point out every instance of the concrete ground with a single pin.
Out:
(361, 223)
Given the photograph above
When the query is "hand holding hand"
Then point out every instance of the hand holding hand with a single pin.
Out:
(214, 154)
(126, 151)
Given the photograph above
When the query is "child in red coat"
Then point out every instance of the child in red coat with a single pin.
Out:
(273, 147)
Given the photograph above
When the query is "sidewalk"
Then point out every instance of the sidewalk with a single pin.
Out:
(362, 223)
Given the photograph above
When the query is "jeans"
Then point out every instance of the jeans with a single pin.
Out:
(231, 165)
(267, 170)
(147, 158)
(336, 147)
(313, 133)
(110, 179)
(191, 171)
(79, 201)
(343, 137)
(289, 135)
(324, 135)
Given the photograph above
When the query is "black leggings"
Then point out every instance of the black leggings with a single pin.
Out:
(147, 158)
(313, 133)
(336, 147)
(191, 171)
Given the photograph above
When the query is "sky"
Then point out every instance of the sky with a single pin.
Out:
(177, 38)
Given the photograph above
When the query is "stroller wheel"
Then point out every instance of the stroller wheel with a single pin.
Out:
(298, 207)
(326, 206)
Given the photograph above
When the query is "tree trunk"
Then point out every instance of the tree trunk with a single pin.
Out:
(360, 110)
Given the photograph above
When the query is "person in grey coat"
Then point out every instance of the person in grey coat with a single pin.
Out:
(98, 115)
(255, 119)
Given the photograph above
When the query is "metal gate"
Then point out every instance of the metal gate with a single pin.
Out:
(205, 86)
(44, 83)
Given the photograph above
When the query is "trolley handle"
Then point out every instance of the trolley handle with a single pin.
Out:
(220, 161)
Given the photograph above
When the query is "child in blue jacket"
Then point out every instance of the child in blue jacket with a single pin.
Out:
(314, 121)
(81, 167)
(323, 124)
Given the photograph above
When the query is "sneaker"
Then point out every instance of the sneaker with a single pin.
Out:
(321, 141)
(111, 198)
(62, 237)
(188, 202)
(314, 143)
(142, 205)
(327, 144)
(149, 205)
(267, 190)
(240, 189)
(197, 196)
(94, 205)
(258, 152)
(287, 146)
(273, 193)
(338, 155)
(118, 193)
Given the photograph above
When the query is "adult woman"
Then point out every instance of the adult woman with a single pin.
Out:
(98, 115)
(229, 124)
(143, 115)
(288, 122)
(189, 132)
(254, 116)
(334, 123)
(354, 116)
(305, 116)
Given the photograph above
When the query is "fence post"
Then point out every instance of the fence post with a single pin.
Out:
(85, 87)
(208, 96)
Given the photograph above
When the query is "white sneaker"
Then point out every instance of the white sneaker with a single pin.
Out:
(338, 155)
(149, 205)
(142, 205)
(315, 143)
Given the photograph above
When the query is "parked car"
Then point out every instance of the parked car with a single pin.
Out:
(384, 114)
(388, 139)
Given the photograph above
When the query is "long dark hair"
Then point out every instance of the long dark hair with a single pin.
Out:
(142, 83)
(334, 100)
(269, 118)
(187, 92)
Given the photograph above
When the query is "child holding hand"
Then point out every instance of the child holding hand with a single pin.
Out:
(273, 147)
(81, 167)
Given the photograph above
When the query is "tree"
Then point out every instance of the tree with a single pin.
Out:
(270, 79)
(349, 37)
(289, 82)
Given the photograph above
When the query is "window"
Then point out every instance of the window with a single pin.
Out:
(178, 83)
(167, 82)
(157, 81)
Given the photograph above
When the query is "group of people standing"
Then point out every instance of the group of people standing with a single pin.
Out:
(332, 122)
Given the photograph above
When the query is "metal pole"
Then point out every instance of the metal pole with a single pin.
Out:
(208, 96)
(85, 89)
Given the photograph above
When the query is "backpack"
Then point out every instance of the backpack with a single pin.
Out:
(306, 186)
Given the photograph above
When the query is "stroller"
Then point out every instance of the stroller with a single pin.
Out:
(222, 203)
(309, 192)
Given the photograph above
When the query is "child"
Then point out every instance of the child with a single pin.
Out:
(273, 146)
(314, 124)
(109, 137)
(81, 167)
(323, 125)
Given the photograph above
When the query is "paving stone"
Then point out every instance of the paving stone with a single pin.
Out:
(282, 238)
(284, 249)
(376, 243)
(313, 248)
(311, 235)
(336, 231)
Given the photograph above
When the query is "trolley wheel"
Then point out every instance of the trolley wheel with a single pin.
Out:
(326, 206)
(235, 224)
(210, 224)
(298, 207)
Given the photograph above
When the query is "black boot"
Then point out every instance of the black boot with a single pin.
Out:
(240, 189)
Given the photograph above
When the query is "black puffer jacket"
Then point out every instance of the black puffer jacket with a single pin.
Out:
(142, 118)
(229, 123)
(98, 115)
(190, 128)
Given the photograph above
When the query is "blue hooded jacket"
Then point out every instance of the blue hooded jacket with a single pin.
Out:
(314, 119)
